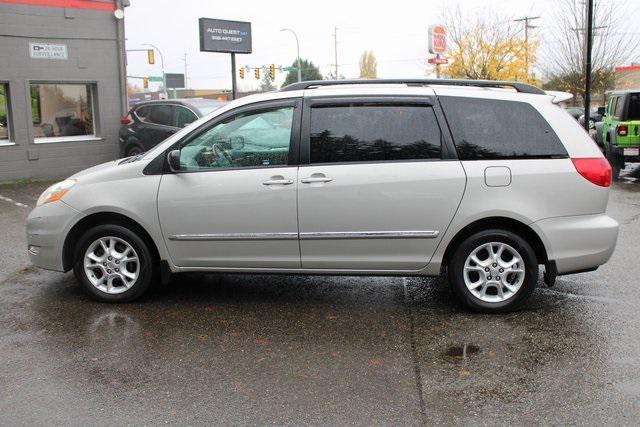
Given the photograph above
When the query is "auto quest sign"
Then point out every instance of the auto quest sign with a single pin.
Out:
(217, 35)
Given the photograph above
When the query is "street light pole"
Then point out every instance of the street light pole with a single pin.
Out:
(297, 52)
(164, 78)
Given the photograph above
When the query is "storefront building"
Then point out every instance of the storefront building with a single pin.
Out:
(62, 86)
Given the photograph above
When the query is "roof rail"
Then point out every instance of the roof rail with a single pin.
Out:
(519, 87)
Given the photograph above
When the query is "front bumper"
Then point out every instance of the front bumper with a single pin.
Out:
(578, 243)
(47, 226)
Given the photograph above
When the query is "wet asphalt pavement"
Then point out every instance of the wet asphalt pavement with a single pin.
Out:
(256, 349)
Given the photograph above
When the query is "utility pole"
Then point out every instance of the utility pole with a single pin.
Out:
(527, 27)
(184, 58)
(589, 47)
(335, 45)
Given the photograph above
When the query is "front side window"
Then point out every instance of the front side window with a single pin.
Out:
(60, 110)
(365, 133)
(4, 113)
(496, 129)
(183, 116)
(252, 139)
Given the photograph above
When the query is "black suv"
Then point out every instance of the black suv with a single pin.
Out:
(151, 122)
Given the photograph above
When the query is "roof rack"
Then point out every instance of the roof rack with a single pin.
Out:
(519, 87)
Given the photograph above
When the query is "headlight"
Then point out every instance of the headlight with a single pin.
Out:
(55, 192)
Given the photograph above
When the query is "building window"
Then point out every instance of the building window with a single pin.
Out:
(62, 110)
(4, 114)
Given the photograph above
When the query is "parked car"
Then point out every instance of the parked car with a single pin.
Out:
(620, 130)
(596, 115)
(409, 177)
(576, 112)
(151, 122)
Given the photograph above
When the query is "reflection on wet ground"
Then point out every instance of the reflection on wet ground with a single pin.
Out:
(256, 349)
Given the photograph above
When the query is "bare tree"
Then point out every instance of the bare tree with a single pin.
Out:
(564, 56)
(368, 65)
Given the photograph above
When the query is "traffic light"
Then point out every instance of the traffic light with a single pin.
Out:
(272, 72)
(145, 83)
(256, 73)
(242, 73)
(151, 56)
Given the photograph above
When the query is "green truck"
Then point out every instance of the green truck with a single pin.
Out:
(620, 129)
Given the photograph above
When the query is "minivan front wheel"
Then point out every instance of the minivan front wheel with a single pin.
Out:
(113, 264)
(493, 271)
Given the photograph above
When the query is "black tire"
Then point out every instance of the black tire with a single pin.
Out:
(614, 161)
(133, 150)
(464, 249)
(145, 259)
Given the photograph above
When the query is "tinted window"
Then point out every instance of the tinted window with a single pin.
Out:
(143, 113)
(619, 107)
(160, 115)
(633, 112)
(494, 129)
(183, 117)
(362, 133)
(247, 140)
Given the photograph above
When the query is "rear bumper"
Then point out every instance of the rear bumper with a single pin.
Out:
(47, 226)
(632, 157)
(578, 243)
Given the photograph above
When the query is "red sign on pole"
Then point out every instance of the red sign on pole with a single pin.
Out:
(437, 39)
(437, 60)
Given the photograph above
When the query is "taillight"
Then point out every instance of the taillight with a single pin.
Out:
(595, 170)
(623, 130)
(125, 120)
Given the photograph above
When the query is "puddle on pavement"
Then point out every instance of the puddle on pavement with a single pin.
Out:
(461, 352)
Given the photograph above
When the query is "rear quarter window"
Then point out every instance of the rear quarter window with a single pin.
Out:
(497, 129)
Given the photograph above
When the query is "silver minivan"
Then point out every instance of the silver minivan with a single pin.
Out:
(483, 181)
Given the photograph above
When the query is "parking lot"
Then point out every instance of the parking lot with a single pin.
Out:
(257, 349)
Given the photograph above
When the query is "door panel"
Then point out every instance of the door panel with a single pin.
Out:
(380, 188)
(399, 212)
(233, 202)
(231, 218)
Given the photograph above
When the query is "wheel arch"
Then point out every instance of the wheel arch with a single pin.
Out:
(504, 223)
(100, 218)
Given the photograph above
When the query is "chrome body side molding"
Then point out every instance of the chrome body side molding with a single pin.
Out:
(308, 236)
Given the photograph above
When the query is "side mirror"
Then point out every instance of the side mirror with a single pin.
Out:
(173, 159)
(601, 110)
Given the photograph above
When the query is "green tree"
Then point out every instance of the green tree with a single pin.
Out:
(309, 72)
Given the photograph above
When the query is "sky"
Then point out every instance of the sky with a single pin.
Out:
(395, 31)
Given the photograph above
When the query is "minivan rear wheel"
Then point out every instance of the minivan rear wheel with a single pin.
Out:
(113, 264)
(493, 271)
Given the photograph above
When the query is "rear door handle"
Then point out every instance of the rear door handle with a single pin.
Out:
(312, 179)
(278, 182)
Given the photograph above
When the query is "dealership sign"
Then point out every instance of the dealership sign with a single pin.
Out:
(437, 39)
(48, 51)
(217, 35)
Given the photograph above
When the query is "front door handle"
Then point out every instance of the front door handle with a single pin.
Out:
(279, 181)
(312, 179)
